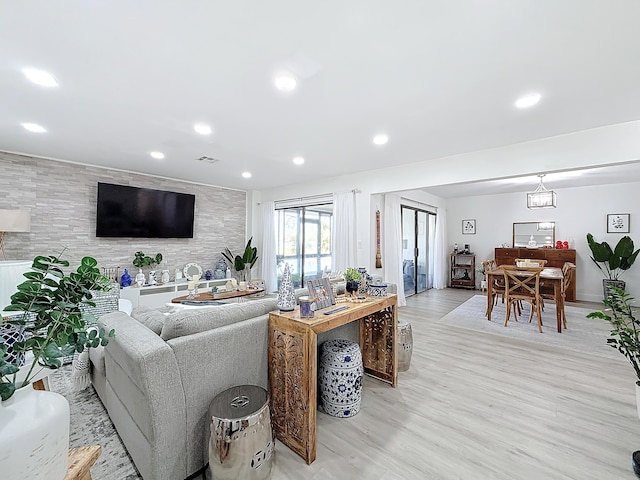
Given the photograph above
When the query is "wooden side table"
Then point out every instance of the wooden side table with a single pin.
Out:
(293, 370)
(80, 462)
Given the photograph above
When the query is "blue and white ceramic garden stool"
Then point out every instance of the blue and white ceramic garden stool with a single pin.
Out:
(340, 377)
(405, 345)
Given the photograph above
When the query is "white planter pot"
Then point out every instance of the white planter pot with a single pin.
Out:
(34, 435)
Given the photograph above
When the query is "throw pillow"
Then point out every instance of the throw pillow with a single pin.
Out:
(152, 319)
(196, 320)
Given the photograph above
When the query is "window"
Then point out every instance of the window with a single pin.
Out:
(304, 241)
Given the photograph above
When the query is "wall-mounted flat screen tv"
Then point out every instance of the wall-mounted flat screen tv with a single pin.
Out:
(125, 211)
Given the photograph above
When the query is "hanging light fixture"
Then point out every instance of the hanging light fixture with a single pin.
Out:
(541, 197)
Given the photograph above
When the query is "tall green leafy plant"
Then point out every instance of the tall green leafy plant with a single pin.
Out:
(245, 261)
(625, 332)
(612, 262)
(54, 324)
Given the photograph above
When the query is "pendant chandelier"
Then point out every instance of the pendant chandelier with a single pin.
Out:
(541, 197)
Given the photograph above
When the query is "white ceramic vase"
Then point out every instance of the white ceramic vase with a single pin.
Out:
(34, 435)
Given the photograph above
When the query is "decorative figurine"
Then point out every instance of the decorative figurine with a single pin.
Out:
(208, 275)
(286, 295)
(165, 276)
(125, 279)
(152, 278)
(140, 278)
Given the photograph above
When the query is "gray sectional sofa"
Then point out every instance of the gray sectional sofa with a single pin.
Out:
(157, 377)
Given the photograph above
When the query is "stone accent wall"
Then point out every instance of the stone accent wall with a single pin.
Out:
(62, 198)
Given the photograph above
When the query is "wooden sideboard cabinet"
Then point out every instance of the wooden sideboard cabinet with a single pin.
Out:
(554, 257)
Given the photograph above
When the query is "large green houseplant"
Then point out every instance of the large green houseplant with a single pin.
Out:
(54, 324)
(243, 263)
(625, 333)
(612, 262)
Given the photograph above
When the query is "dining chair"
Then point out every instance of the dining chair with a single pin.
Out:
(522, 284)
(568, 277)
(497, 288)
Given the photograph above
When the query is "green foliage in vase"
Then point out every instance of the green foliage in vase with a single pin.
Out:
(247, 260)
(141, 260)
(625, 333)
(59, 328)
(612, 262)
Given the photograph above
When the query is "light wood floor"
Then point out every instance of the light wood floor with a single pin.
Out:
(477, 406)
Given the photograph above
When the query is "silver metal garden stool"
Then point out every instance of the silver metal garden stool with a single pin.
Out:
(241, 442)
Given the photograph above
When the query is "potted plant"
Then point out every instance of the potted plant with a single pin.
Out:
(613, 263)
(38, 421)
(243, 264)
(352, 276)
(141, 260)
(625, 337)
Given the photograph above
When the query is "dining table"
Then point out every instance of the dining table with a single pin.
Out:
(550, 275)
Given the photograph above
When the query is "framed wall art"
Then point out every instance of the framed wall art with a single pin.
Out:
(469, 227)
(320, 291)
(618, 222)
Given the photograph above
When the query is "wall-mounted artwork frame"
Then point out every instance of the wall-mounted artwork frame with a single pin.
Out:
(469, 226)
(320, 291)
(618, 222)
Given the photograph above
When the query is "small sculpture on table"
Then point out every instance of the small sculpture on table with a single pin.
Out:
(140, 278)
(125, 279)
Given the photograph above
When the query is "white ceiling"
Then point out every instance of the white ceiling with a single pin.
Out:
(440, 77)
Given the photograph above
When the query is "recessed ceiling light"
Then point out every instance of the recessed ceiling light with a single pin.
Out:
(285, 82)
(202, 128)
(157, 155)
(528, 100)
(381, 139)
(40, 77)
(298, 160)
(34, 127)
(246, 174)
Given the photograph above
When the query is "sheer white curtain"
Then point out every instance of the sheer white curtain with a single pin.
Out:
(268, 254)
(392, 244)
(343, 241)
(440, 267)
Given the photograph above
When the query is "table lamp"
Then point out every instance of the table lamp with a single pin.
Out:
(13, 221)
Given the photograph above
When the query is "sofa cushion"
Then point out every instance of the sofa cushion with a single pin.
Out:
(152, 319)
(188, 322)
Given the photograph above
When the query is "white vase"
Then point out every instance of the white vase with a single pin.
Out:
(638, 399)
(34, 435)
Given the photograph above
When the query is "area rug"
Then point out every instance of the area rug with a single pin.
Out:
(585, 335)
(90, 425)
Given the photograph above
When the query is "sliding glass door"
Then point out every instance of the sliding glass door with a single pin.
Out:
(418, 230)
(304, 242)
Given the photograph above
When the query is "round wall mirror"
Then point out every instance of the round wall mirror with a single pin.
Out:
(192, 269)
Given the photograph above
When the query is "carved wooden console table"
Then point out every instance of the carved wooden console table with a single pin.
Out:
(293, 369)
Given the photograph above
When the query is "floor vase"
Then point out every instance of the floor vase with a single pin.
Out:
(34, 435)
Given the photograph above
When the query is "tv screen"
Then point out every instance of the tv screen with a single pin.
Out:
(125, 211)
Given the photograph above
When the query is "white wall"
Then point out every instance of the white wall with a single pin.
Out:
(595, 147)
(580, 211)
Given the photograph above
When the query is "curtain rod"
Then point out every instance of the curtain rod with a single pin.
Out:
(312, 197)
(421, 203)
